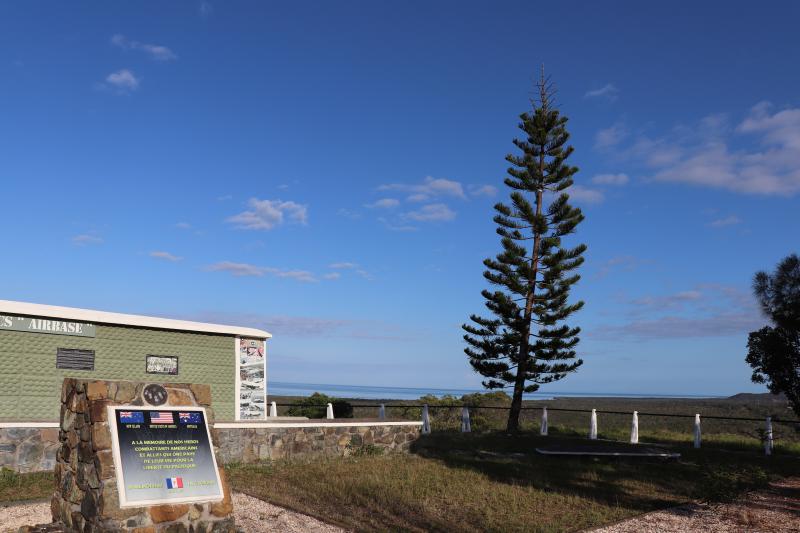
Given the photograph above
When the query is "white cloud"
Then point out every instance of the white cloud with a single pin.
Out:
(267, 214)
(86, 239)
(166, 256)
(609, 91)
(332, 275)
(611, 136)
(585, 195)
(726, 221)
(624, 263)
(383, 203)
(183, 225)
(236, 269)
(348, 213)
(205, 9)
(610, 179)
(298, 275)
(157, 52)
(123, 80)
(353, 267)
(364, 274)
(483, 190)
(396, 227)
(429, 188)
(246, 269)
(670, 300)
(708, 310)
(706, 154)
(431, 213)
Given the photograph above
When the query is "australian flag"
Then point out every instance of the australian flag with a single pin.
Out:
(190, 417)
(131, 417)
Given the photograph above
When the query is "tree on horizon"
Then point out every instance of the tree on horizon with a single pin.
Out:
(774, 351)
(527, 342)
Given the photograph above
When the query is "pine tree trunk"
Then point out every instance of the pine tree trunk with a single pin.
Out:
(522, 366)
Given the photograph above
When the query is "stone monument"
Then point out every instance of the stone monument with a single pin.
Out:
(102, 423)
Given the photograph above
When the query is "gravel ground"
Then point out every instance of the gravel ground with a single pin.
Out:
(774, 510)
(252, 515)
(12, 517)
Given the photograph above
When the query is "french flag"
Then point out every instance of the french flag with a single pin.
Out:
(174, 482)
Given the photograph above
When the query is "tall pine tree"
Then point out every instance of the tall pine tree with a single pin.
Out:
(527, 342)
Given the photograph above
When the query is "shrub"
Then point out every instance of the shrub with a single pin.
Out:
(314, 406)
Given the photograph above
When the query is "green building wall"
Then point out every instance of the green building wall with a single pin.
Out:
(30, 383)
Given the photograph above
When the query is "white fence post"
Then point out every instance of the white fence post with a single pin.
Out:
(273, 409)
(329, 414)
(426, 420)
(635, 428)
(593, 425)
(543, 428)
(466, 427)
(697, 430)
(768, 437)
(382, 412)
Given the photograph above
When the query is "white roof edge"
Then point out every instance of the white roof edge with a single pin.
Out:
(122, 319)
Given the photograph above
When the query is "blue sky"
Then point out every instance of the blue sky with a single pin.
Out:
(327, 171)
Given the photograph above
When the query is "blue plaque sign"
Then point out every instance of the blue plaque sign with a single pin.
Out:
(163, 455)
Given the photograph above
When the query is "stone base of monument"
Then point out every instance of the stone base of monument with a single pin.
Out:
(87, 498)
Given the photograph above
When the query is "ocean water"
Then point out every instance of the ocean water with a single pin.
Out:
(281, 388)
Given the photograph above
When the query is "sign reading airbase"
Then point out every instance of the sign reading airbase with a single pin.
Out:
(46, 325)
(163, 456)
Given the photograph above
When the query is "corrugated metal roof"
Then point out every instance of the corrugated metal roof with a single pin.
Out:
(104, 317)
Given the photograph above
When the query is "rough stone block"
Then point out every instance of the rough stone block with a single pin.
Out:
(97, 390)
(167, 513)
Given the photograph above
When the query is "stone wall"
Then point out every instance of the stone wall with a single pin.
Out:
(28, 449)
(86, 497)
(265, 441)
(34, 449)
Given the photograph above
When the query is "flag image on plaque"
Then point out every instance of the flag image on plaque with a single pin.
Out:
(174, 482)
(131, 417)
(161, 417)
(191, 417)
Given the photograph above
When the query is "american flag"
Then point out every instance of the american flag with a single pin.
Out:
(160, 417)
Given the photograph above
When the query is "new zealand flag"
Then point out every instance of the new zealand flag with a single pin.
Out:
(131, 417)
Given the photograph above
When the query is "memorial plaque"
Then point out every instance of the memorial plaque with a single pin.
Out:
(163, 455)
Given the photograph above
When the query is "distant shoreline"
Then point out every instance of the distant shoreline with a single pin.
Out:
(363, 392)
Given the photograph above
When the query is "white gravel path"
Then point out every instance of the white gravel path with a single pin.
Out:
(12, 517)
(252, 515)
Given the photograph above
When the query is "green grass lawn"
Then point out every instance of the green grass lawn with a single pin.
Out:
(16, 487)
(447, 485)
